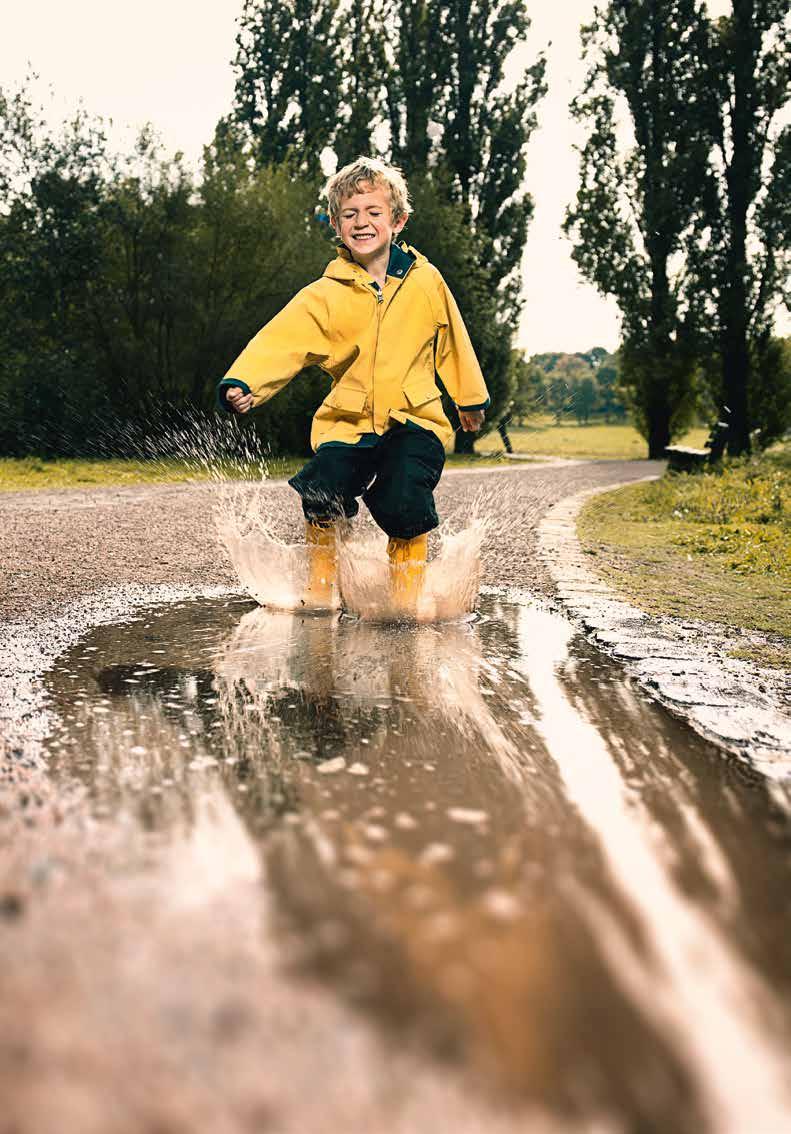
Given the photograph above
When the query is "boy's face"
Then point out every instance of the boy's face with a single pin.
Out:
(366, 223)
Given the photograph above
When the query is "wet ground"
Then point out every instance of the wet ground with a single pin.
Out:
(58, 546)
(523, 896)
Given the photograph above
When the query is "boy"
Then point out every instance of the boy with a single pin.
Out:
(382, 322)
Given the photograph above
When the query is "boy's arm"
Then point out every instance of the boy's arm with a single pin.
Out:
(455, 359)
(296, 337)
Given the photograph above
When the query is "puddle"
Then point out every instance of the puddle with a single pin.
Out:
(480, 835)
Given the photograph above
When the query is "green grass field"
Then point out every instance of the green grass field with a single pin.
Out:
(714, 546)
(596, 441)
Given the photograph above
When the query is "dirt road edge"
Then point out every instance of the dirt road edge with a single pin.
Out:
(738, 705)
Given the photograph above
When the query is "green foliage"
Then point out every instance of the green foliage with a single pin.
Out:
(581, 384)
(414, 46)
(742, 491)
(288, 79)
(128, 284)
(769, 393)
(484, 130)
(363, 70)
(633, 213)
(677, 547)
(741, 261)
(126, 289)
(740, 513)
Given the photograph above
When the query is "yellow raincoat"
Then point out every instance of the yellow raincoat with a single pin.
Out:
(381, 348)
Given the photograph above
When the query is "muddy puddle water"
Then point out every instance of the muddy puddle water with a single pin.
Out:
(479, 835)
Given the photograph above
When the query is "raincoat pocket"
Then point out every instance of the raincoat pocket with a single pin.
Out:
(346, 400)
(419, 391)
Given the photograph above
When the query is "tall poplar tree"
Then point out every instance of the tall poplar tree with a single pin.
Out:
(744, 254)
(632, 220)
(364, 76)
(486, 128)
(450, 112)
(414, 50)
(288, 79)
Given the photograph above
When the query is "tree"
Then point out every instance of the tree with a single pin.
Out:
(607, 377)
(288, 79)
(50, 257)
(486, 128)
(364, 78)
(633, 216)
(450, 114)
(529, 388)
(586, 396)
(743, 255)
(126, 289)
(413, 49)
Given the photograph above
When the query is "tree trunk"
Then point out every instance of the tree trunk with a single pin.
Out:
(735, 375)
(739, 177)
(658, 435)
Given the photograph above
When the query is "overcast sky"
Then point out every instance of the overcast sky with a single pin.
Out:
(168, 62)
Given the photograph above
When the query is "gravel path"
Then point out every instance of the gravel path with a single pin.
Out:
(60, 546)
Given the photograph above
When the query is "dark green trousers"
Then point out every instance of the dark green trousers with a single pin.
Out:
(395, 476)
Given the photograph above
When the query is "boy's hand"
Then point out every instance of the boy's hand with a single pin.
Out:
(238, 400)
(471, 420)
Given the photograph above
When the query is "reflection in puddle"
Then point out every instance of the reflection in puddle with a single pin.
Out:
(478, 833)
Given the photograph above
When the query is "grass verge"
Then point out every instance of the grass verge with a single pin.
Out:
(713, 546)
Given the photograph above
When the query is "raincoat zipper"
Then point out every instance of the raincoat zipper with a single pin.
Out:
(379, 301)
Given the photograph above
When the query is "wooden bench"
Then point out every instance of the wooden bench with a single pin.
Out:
(683, 459)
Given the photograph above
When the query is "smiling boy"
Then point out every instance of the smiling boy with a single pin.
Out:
(383, 324)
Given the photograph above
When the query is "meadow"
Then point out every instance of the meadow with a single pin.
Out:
(596, 441)
(714, 546)
(542, 439)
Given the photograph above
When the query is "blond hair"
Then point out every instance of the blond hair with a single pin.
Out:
(379, 174)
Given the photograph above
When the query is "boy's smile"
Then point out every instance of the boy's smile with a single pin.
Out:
(366, 227)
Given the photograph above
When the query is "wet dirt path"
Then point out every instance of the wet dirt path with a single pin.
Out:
(58, 546)
(467, 872)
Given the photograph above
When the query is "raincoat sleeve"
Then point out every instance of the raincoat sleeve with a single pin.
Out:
(454, 357)
(296, 337)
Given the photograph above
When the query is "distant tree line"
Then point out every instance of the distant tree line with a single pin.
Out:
(128, 283)
(578, 386)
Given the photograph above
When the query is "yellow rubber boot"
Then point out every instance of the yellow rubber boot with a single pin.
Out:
(322, 552)
(408, 562)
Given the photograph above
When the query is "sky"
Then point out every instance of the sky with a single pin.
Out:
(169, 62)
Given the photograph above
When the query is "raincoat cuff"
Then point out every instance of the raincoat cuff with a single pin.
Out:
(222, 390)
(470, 409)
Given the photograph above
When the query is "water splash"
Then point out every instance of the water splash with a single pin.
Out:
(275, 573)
